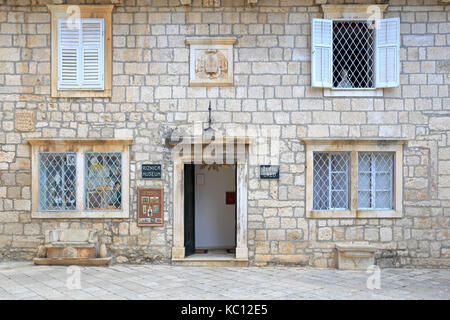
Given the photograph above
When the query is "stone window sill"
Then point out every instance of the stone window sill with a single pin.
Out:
(354, 214)
(352, 93)
(77, 214)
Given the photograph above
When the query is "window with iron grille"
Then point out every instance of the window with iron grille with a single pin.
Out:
(103, 188)
(57, 181)
(375, 180)
(331, 181)
(352, 54)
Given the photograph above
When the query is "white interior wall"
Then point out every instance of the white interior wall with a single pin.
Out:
(214, 220)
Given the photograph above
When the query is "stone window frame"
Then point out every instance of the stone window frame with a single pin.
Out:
(86, 11)
(80, 147)
(353, 147)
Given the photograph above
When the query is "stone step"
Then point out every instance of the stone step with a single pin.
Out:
(210, 263)
(73, 261)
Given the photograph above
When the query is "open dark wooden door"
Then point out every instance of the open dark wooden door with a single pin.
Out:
(235, 205)
(189, 209)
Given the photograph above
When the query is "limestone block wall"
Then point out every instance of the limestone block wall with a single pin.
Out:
(150, 96)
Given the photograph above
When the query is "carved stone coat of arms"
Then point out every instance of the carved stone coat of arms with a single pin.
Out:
(211, 64)
(211, 61)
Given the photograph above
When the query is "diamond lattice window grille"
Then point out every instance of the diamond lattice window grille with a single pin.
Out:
(103, 188)
(375, 180)
(57, 181)
(330, 181)
(353, 55)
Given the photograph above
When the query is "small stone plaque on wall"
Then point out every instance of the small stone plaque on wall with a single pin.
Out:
(150, 207)
(211, 61)
(24, 120)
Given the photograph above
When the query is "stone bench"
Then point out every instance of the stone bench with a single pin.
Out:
(355, 256)
(72, 246)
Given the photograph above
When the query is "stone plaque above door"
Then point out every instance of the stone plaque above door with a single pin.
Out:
(211, 61)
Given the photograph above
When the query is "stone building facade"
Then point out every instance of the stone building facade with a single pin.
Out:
(151, 97)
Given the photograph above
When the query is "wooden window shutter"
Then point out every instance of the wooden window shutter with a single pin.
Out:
(81, 54)
(321, 54)
(388, 53)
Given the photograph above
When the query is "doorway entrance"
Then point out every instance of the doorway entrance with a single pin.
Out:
(209, 209)
(180, 224)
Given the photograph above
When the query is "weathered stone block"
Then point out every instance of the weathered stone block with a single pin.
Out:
(355, 257)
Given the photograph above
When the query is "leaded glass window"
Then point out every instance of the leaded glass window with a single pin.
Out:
(330, 181)
(375, 180)
(57, 181)
(103, 189)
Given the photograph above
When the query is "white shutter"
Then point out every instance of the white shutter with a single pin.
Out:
(80, 54)
(92, 46)
(68, 55)
(388, 53)
(321, 55)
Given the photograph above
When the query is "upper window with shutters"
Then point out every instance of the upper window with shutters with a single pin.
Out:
(80, 54)
(81, 50)
(353, 55)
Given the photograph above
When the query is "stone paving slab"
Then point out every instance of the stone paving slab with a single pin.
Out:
(21, 280)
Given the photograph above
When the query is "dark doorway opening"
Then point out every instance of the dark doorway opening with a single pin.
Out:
(210, 209)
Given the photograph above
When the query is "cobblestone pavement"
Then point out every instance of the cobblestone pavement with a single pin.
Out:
(26, 281)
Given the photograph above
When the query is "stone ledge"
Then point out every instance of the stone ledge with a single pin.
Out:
(80, 214)
(356, 247)
(350, 141)
(86, 141)
(211, 40)
(61, 2)
(351, 11)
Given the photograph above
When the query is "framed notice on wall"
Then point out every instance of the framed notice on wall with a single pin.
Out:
(269, 172)
(150, 205)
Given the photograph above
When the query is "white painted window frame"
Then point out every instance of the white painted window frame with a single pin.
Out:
(330, 185)
(373, 175)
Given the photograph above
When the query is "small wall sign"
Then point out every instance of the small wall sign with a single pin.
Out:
(269, 172)
(150, 203)
(151, 171)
